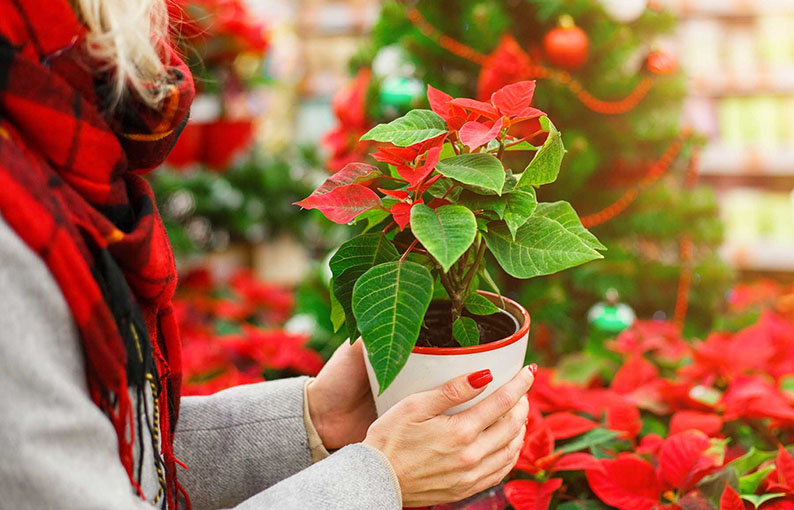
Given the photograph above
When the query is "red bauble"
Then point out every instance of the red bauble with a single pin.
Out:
(660, 62)
(566, 46)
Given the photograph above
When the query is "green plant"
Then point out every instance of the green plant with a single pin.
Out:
(447, 200)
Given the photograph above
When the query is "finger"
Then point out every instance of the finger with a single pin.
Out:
(486, 473)
(485, 413)
(493, 479)
(499, 435)
(429, 404)
(496, 465)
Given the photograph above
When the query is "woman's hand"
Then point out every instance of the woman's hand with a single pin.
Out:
(340, 400)
(439, 458)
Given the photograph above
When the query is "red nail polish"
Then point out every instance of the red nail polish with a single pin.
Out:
(480, 379)
(533, 368)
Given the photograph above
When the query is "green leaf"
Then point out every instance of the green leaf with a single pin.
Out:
(446, 232)
(705, 394)
(373, 217)
(416, 126)
(486, 276)
(519, 207)
(590, 439)
(751, 460)
(713, 486)
(522, 146)
(447, 151)
(480, 305)
(353, 259)
(475, 201)
(479, 171)
(563, 213)
(748, 484)
(389, 302)
(787, 385)
(542, 246)
(581, 367)
(763, 498)
(545, 166)
(465, 331)
(440, 188)
(337, 312)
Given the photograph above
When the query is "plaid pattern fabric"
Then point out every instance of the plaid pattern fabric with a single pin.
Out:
(70, 188)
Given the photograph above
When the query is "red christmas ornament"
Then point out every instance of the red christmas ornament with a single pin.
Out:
(660, 62)
(567, 45)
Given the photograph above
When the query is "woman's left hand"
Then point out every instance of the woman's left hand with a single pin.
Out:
(340, 399)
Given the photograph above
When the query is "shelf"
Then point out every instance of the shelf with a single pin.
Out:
(722, 160)
(729, 8)
(760, 255)
(775, 81)
(335, 18)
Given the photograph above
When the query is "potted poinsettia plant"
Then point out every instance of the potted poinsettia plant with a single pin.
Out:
(441, 201)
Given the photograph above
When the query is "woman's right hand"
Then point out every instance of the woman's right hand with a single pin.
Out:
(440, 458)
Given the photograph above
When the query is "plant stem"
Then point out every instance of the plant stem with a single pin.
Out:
(388, 227)
(411, 247)
(469, 277)
(448, 191)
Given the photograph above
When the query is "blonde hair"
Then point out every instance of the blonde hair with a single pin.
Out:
(129, 38)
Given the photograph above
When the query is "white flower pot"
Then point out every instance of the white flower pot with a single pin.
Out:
(429, 367)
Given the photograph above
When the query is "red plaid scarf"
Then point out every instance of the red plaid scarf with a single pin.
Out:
(70, 188)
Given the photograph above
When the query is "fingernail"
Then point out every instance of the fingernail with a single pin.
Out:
(480, 378)
(533, 368)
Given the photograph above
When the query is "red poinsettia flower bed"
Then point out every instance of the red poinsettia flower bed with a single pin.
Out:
(232, 334)
(682, 425)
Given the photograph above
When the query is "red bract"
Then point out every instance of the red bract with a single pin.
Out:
(511, 103)
(564, 425)
(529, 495)
(784, 471)
(687, 457)
(634, 373)
(656, 337)
(507, 64)
(401, 212)
(350, 108)
(537, 453)
(730, 499)
(708, 423)
(755, 397)
(343, 204)
(627, 483)
(454, 116)
(352, 173)
(624, 419)
(475, 134)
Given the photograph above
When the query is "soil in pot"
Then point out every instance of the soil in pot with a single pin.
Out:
(437, 328)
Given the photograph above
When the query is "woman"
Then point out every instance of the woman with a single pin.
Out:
(90, 414)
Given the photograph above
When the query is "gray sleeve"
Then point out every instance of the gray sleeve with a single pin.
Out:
(59, 451)
(248, 443)
(356, 477)
(241, 441)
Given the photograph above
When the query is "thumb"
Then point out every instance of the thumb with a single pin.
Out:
(453, 392)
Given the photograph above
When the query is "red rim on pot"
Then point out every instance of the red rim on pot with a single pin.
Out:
(472, 349)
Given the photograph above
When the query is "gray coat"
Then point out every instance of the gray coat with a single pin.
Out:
(246, 448)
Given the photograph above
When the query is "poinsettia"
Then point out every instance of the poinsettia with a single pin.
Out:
(443, 183)
(350, 109)
(231, 333)
(508, 63)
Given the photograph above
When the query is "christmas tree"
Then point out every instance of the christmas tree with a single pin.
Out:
(630, 166)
